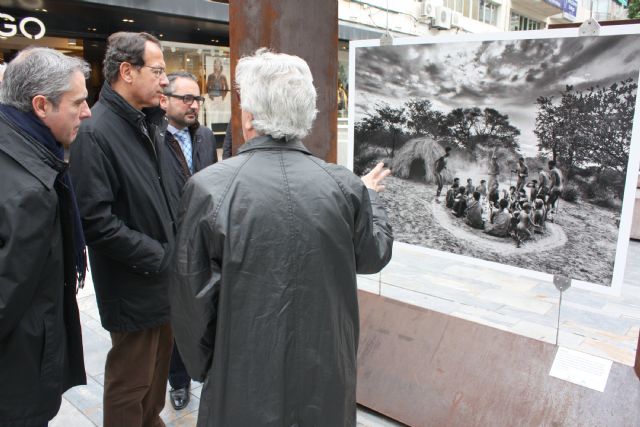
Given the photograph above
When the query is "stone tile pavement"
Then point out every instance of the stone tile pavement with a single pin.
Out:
(82, 406)
(594, 323)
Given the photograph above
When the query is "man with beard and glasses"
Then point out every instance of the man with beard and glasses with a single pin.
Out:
(192, 148)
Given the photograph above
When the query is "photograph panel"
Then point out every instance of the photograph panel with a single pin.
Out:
(514, 151)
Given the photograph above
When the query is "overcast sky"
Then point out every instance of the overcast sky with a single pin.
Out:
(505, 75)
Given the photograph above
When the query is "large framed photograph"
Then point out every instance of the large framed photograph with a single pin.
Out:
(516, 149)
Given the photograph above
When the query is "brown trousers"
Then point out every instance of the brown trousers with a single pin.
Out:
(135, 378)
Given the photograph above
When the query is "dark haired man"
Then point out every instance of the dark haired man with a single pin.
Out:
(119, 176)
(192, 148)
(522, 172)
(474, 212)
(451, 193)
(555, 188)
(438, 167)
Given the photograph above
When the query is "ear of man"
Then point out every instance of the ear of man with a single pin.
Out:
(41, 106)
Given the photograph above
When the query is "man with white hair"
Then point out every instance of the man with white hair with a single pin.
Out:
(42, 251)
(264, 299)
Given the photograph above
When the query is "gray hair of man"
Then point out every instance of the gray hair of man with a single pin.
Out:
(172, 77)
(39, 71)
(277, 89)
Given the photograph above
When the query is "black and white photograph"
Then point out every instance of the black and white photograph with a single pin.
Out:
(516, 151)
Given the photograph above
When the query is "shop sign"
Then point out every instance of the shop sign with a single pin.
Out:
(8, 28)
(570, 9)
(556, 3)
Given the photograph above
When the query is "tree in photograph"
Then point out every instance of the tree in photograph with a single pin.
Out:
(422, 119)
(470, 128)
(495, 131)
(608, 123)
(547, 124)
(383, 127)
(561, 129)
(634, 9)
(460, 127)
(589, 129)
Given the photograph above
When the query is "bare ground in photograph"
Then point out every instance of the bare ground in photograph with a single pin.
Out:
(580, 243)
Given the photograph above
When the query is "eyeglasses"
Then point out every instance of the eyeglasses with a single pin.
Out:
(187, 99)
(157, 71)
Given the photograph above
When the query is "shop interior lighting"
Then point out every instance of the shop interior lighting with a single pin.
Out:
(128, 20)
(71, 42)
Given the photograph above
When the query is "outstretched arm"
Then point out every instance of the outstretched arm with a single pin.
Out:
(373, 238)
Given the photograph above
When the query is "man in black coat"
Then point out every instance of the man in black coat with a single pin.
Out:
(192, 148)
(264, 303)
(119, 176)
(42, 251)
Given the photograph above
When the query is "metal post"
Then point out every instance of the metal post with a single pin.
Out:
(306, 28)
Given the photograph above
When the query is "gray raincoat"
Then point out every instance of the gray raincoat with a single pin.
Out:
(264, 299)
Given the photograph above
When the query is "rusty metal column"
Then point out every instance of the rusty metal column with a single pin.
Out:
(306, 28)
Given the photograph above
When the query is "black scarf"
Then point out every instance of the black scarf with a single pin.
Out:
(32, 125)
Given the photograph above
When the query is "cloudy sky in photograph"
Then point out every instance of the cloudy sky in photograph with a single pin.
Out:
(505, 75)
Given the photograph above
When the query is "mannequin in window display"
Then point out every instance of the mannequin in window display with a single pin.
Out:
(217, 82)
(217, 106)
(342, 97)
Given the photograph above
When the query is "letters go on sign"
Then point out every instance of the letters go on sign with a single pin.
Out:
(8, 28)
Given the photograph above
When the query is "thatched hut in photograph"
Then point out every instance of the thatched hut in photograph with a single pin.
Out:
(416, 158)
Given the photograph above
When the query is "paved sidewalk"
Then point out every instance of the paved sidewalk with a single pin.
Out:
(591, 322)
(599, 324)
(82, 406)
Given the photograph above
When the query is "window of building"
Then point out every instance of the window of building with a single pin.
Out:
(488, 12)
(461, 6)
(481, 10)
(522, 23)
(211, 65)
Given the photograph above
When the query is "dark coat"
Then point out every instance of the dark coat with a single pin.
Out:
(264, 300)
(204, 154)
(118, 173)
(227, 143)
(40, 339)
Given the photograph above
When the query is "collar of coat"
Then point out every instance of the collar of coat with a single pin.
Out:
(24, 149)
(152, 115)
(266, 142)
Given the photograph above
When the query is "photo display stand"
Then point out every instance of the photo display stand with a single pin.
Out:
(442, 343)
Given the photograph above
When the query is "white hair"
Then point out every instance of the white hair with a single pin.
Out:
(277, 89)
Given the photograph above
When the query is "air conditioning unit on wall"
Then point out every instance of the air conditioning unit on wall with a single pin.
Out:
(429, 8)
(442, 19)
(455, 19)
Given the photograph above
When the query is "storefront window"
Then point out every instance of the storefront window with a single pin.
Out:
(343, 79)
(211, 65)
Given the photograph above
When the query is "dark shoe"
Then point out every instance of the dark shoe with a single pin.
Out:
(179, 397)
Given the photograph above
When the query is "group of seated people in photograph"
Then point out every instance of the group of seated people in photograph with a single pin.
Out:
(518, 212)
